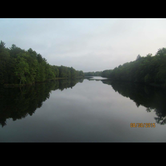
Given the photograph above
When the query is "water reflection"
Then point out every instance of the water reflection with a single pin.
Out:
(17, 103)
(97, 78)
(150, 97)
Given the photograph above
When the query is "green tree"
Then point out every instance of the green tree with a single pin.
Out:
(73, 72)
(138, 57)
(55, 70)
(21, 69)
(149, 69)
(4, 59)
(40, 74)
(147, 78)
(18, 66)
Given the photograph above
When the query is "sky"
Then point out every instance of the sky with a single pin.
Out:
(84, 43)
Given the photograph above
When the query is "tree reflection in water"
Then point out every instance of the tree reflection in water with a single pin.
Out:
(17, 103)
(150, 97)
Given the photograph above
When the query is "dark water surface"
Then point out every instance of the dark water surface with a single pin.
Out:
(93, 110)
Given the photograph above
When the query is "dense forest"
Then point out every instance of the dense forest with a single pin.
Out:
(97, 73)
(150, 70)
(18, 66)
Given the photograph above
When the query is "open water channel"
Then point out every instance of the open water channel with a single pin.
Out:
(85, 110)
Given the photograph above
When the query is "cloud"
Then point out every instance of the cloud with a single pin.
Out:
(86, 44)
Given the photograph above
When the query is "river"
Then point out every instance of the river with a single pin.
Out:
(85, 110)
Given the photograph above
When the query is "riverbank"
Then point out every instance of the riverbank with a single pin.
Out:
(163, 86)
(22, 85)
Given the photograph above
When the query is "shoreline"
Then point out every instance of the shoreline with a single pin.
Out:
(22, 85)
(143, 83)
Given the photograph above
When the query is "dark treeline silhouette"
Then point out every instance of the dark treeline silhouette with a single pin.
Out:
(153, 98)
(18, 66)
(97, 73)
(149, 70)
(18, 102)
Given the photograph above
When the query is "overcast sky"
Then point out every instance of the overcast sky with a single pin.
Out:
(86, 44)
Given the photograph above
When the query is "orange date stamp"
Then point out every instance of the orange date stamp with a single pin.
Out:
(142, 125)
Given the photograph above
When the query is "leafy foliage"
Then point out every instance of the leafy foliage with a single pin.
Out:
(149, 69)
(97, 73)
(18, 66)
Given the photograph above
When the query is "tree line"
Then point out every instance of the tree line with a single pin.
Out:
(97, 73)
(18, 66)
(149, 70)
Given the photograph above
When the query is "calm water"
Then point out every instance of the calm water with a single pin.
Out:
(93, 110)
